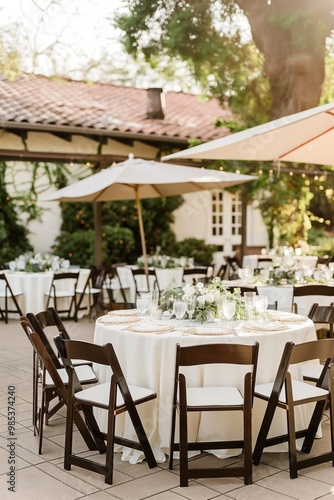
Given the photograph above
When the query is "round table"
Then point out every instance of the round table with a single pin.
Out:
(34, 287)
(148, 359)
(166, 278)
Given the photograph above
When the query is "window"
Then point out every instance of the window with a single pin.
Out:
(226, 219)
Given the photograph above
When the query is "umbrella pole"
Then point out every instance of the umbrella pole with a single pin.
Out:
(98, 233)
(142, 234)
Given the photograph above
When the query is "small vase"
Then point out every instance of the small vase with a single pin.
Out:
(210, 317)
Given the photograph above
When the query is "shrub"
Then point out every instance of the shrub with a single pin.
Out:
(198, 249)
(79, 246)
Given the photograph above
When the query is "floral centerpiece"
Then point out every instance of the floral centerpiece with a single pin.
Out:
(36, 262)
(208, 299)
(166, 262)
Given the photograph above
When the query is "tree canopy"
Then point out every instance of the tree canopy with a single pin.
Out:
(266, 59)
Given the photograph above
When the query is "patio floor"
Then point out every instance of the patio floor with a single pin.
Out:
(43, 476)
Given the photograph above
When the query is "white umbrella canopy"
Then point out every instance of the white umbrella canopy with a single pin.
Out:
(136, 179)
(305, 137)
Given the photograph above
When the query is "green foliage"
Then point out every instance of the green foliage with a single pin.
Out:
(157, 217)
(13, 235)
(322, 244)
(210, 40)
(78, 246)
(196, 248)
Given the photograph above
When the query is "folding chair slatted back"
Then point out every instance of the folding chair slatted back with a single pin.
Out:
(107, 399)
(287, 393)
(207, 354)
(63, 287)
(9, 295)
(59, 389)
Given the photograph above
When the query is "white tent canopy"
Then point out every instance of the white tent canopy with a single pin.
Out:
(136, 178)
(305, 137)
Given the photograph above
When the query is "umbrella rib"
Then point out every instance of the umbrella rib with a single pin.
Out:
(304, 144)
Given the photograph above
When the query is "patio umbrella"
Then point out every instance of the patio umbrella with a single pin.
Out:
(136, 178)
(305, 137)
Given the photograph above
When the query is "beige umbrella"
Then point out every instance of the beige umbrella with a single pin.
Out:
(136, 179)
(305, 137)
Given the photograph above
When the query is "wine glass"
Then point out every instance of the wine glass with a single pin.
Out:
(261, 304)
(191, 305)
(228, 310)
(249, 298)
(154, 302)
(143, 304)
(179, 308)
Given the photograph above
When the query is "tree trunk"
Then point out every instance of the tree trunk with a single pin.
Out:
(291, 35)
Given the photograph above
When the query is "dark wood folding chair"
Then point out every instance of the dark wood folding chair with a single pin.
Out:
(115, 396)
(9, 296)
(40, 323)
(118, 306)
(201, 399)
(233, 266)
(323, 316)
(58, 389)
(196, 274)
(63, 286)
(222, 272)
(145, 281)
(310, 294)
(288, 393)
(89, 297)
(243, 289)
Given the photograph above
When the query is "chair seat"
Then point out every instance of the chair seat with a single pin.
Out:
(15, 292)
(60, 294)
(76, 362)
(98, 395)
(89, 290)
(213, 397)
(85, 374)
(300, 391)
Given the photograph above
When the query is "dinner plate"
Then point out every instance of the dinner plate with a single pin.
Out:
(118, 320)
(125, 312)
(150, 328)
(287, 318)
(254, 326)
(206, 330)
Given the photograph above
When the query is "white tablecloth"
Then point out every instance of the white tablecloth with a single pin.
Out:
(148, 360)
(34, 286)
(283, 294)
(166, 278)
(254, 261)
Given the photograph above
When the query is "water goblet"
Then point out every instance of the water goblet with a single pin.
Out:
(261, 304)
(249, 299)
(191, 306)
(142, 304)
(179, 308)
(154, 302)
(228, 310)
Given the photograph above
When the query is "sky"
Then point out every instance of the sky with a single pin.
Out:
(81, 25)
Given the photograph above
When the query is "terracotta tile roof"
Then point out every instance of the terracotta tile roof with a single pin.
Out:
(37, 100)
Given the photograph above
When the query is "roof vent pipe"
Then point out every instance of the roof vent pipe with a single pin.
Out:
(155, 103)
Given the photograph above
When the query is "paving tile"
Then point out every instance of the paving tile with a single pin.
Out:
(303, 488)
(34, 484)
(43, 476)
(138, 489)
